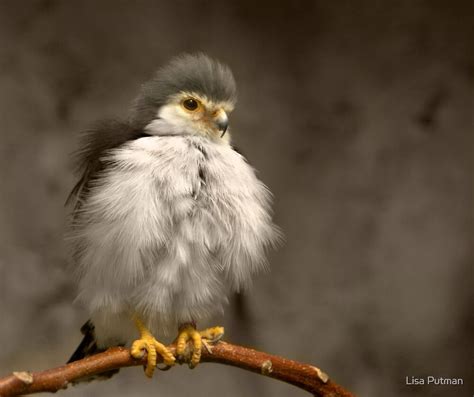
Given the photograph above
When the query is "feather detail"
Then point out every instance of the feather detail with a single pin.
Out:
(169, 226)
(94, 144)
(86, 348)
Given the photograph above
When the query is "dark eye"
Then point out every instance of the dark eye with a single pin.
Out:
(190, 104)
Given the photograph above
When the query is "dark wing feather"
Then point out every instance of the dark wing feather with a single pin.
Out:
(94, 144)
(88, 345)
(86, 348)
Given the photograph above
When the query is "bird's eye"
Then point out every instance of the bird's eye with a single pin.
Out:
(190, 104)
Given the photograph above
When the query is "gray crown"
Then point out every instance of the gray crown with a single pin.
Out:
(194, 73)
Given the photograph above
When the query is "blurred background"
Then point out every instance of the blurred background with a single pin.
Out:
(357, 115)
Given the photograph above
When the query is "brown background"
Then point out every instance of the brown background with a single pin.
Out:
(358, 116)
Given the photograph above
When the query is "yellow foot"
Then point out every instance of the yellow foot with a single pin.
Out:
(147, 343)
(198, 338)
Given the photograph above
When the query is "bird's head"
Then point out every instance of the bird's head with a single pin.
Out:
(193, 94)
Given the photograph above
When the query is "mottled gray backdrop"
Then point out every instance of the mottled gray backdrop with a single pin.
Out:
(358, 116)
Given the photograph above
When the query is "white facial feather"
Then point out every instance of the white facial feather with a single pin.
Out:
(173, 119)
(171, 225)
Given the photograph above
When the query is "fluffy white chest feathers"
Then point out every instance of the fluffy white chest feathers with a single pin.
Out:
(166, 229)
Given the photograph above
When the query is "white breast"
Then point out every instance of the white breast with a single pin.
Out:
(172, 223)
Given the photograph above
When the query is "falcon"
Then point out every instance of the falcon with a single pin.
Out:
(168, 217)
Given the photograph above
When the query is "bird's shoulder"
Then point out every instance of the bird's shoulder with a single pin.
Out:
(94, 143)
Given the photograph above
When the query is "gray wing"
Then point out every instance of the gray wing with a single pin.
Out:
(94, 144)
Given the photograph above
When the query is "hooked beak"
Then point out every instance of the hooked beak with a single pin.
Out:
(222, 122)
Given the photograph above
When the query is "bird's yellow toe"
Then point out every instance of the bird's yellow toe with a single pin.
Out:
(198, 338)
(149, 345)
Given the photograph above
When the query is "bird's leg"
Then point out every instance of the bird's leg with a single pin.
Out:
(147, 343)
(188, 332)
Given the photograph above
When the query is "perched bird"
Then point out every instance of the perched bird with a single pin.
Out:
(168, 217)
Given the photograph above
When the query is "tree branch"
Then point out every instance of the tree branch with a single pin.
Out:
(304, 376)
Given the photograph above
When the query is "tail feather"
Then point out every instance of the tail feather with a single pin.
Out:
(86, 348)
(88, 345)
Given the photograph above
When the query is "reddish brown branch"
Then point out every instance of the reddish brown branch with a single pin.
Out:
(301, 375)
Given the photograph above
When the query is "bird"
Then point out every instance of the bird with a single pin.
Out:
(168, 217)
